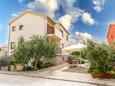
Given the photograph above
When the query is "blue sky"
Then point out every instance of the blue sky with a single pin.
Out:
(85, 17)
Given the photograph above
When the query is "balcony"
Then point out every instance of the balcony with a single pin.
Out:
(51, 32)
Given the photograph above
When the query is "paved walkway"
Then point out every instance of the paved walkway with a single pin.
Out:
(38, 73)
(57, 73)
(14, 80)
(81, 77)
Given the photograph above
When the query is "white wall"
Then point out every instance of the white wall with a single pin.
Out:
(57, 31)
(32, 25)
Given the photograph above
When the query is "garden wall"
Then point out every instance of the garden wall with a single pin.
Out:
(59, 59)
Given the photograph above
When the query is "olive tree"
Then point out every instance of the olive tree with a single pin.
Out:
(34, 50)
(42, 48)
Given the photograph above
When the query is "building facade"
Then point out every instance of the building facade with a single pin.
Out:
(72, 40)
(31, 23)
(111, 34)
(3, 50)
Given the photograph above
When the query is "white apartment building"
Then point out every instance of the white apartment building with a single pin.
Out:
(31, 23)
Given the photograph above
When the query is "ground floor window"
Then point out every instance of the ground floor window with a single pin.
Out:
(13, 45)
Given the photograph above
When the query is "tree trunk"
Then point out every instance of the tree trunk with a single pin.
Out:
(15, 67)
(9, 68)
(35, 64)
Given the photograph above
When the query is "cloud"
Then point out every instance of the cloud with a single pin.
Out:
(85, 36)
(14, 14)
(20, 1)
(73, 16)
(98, 5)
(86, 18)
(69, 4)
(71, 13)
(0, 26)
(48, 6)
(66, 21)
(33, 5)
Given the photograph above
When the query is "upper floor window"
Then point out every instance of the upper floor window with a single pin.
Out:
(20, 27)
(13, 28)
(67, 38)
(61, 32)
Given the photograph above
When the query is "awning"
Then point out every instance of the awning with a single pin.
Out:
(76, 47)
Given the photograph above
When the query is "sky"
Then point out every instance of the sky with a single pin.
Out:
(88, 18)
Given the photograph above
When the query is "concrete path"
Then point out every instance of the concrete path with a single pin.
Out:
(38, 73)
(80, 77)
(57, 73)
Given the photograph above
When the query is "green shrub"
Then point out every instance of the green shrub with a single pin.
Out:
(47, 64)
(27, 68)
(113, 75)
(99, 56)
(4, 60)
(75, 55)
(82, 61)
(41, 65)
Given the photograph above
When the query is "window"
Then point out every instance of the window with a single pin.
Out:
(61, 32)
(20, 27)
(67, 38)
(62, 45)
(13, 28)
(50, 29)
(13, 45)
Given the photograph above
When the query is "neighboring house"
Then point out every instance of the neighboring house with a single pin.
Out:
(80, 39)
(72, 40)
(31, 23)
(3, 50)
(111, 34)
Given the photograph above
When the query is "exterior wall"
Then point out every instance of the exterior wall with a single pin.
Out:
(57, 31)
(59, 59)
(32, 25)
(62, 34)
(111, 34)
(64, 39)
